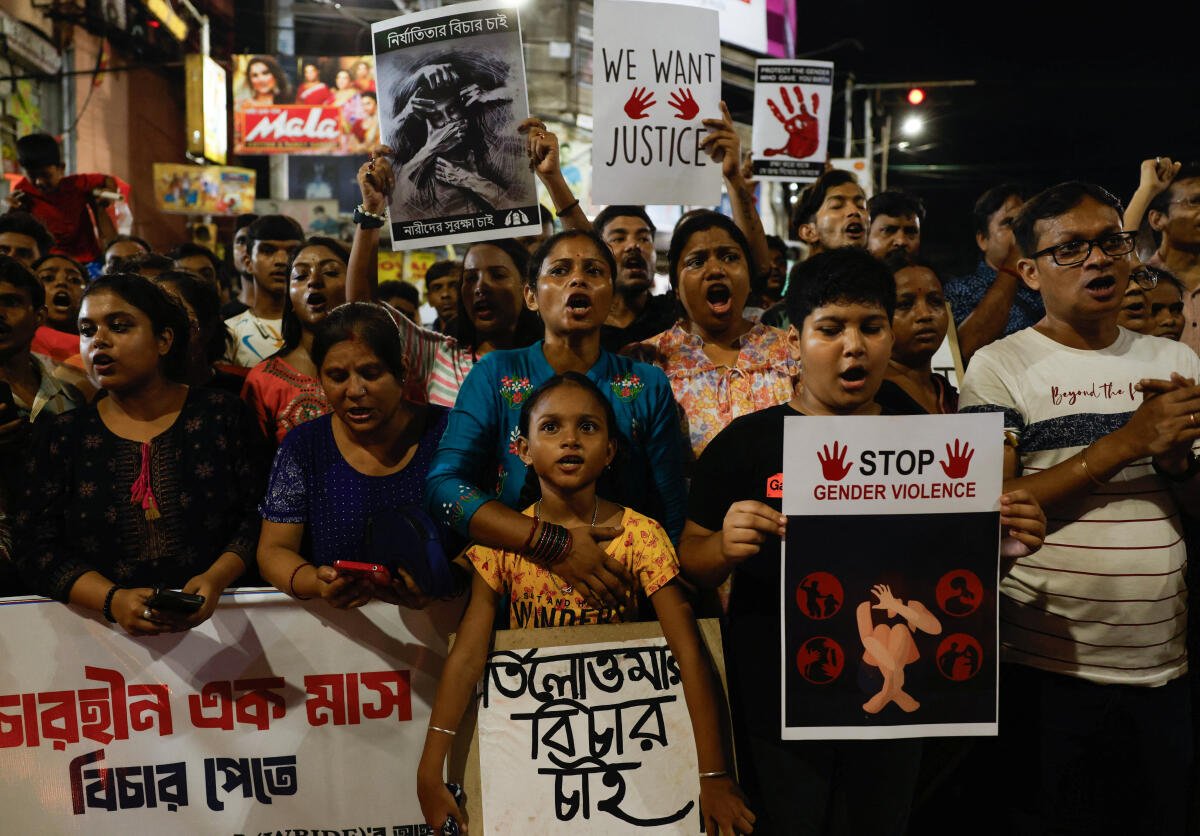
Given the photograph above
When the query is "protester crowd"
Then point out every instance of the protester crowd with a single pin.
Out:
(586, 451)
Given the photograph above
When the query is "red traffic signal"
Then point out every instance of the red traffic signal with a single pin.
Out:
(915, 96)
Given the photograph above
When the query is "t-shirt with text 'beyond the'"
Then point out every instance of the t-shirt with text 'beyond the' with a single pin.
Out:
(1105, 598)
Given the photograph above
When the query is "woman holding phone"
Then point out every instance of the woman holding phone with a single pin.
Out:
(152, 485)
(335, 475)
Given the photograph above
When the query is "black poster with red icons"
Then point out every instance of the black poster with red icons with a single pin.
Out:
(889, 577)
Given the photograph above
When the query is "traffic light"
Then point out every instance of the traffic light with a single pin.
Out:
(915, 96)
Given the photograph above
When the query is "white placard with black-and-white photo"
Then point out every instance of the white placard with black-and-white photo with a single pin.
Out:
(451, 86)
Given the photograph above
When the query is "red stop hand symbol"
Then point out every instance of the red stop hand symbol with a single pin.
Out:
(958, 460)
(802, 128)
(834, 466)
(640, 101)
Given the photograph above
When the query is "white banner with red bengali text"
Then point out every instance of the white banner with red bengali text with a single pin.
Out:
(271, 717)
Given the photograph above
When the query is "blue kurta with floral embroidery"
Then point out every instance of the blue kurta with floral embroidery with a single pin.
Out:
(477, 460)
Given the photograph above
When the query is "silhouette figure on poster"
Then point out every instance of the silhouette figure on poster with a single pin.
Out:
(963, 601)
(890, 647)
(959, 657)
(820, 660)
(819, 595)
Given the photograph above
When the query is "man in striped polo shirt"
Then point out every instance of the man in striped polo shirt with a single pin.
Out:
(1100, 422)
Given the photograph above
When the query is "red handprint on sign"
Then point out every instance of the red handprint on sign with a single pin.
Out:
(958, 460)
(640, 100)
(834, 466)
(683, 101)
(802, 128)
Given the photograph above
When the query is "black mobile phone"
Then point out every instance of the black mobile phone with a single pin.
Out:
(172, 600)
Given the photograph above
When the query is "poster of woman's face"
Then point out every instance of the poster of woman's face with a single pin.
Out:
(451, 95)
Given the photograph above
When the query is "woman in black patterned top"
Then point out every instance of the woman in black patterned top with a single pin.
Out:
(155, 483)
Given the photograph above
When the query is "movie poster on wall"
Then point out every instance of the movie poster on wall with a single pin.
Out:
(654, 82)
(305, 104)
(890, 571)
(453, 87)
(793, 103)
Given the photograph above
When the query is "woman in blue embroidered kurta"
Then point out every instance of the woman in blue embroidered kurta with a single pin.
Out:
(571, 288)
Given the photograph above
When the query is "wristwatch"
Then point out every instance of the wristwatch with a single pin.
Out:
(368, 220)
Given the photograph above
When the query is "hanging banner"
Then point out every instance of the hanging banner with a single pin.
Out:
(656, 76)
(586, 728)
(890, 631)
(792, 105)
(453, 81)
(271, 717)
(304, 105)
(182, 189)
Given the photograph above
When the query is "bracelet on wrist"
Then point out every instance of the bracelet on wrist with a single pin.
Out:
(450, 732)
(721, 773)
(553, 544)
(292, 582)
(567, 208)
(1086, 470)
(368, 220)
(108, 599)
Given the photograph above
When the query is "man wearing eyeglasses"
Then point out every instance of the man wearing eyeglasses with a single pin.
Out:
(1099, 424)
(1175, 215)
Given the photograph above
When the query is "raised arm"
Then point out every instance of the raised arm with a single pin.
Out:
(542, 146)
(986, 323)
(1155, 177)
(724, 146)
(375, 183)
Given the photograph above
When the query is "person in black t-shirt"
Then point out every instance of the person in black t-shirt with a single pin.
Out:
(843, 302)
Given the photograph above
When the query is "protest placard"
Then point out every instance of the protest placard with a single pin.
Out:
(792, 105)
(452, 82)
(656, 77)
(271, 717)
(890, 569)
(585, 727)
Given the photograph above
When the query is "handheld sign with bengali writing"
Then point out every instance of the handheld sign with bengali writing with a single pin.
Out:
(270, 717)
(793, 102)
(889, 573)
(451, 94)
(585, 728)
(657, 76)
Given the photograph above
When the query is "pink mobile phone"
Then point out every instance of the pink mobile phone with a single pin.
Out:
(374, 572)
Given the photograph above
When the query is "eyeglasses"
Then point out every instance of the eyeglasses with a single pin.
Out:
(1192, 201)
(1076, 252)
(1144, 278)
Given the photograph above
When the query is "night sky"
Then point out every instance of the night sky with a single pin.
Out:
(1060, 96)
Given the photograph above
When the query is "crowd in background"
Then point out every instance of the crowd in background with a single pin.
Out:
(584, 451)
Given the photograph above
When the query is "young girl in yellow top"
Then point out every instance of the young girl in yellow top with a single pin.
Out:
(566, 439)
